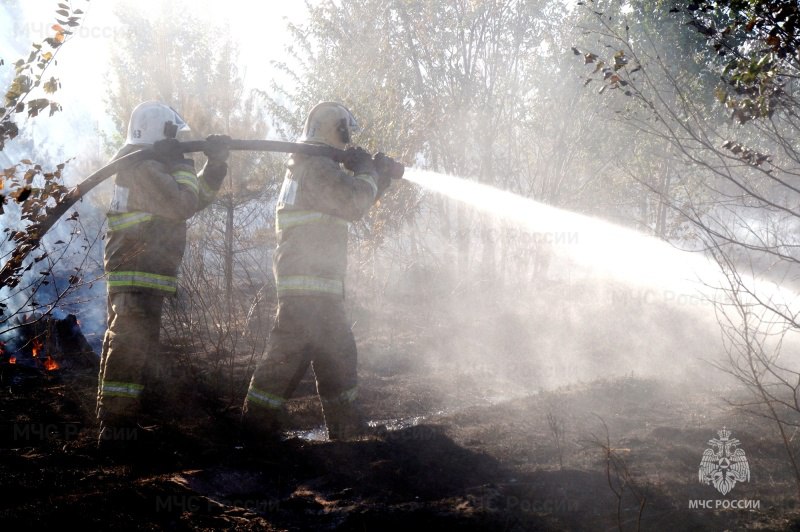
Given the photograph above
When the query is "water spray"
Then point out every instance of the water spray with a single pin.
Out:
(631, 256)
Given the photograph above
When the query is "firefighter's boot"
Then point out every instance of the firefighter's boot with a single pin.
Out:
(344, 421)
(119, 434)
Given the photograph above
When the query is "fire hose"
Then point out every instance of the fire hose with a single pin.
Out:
(37, 231)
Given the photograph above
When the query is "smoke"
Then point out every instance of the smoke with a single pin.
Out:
(64, 274)
(533, 298)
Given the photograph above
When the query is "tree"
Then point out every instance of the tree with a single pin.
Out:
(734, 129)
(35, 190)
(465, 88)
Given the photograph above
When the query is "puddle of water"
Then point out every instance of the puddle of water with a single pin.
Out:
(316, 434)
(392, 424)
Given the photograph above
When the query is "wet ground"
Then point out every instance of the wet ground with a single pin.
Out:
(478, 454)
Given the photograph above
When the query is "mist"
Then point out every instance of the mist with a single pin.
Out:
(549, 315)
(529, 293)
(572, 243)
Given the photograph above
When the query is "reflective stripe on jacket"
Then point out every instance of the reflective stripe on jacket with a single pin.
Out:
(121, 389)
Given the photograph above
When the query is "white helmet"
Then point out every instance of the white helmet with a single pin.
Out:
(329, 123)
(152, 121)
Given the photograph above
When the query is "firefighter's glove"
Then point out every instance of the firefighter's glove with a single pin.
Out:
(168, 150)
(217, 148)
(359, 161)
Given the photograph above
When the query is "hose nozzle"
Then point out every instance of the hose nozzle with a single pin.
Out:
(385, 165)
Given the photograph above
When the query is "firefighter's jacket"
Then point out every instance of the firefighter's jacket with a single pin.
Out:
(317, 201)
(147, 221)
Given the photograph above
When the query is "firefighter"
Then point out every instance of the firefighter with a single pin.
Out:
(318, 200)
(146, 237)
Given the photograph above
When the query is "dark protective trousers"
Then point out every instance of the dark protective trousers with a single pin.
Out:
(308, 331)
(130, 352)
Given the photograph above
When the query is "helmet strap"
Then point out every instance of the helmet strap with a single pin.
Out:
(344, 131)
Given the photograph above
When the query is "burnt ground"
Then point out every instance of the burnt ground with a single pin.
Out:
(612, 454)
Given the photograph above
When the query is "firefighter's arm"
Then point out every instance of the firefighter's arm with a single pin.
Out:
(216, 168)
(210, 180)
(349, 196)
(174, 187)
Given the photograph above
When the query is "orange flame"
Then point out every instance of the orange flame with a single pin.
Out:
(50, 364)
(37, 347)
(12, 360)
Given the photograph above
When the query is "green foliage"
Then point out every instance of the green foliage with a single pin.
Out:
(29, 185)
(456, 87)
(35, 191)
(757, 44)
(28, 74)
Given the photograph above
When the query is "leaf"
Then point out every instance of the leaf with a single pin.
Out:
(51, 85)
(19, 86)
(620, 60)
(22, 194)
(589, 58)
(576, 51)
(774, 41)
(34, 106)
(58, 28)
